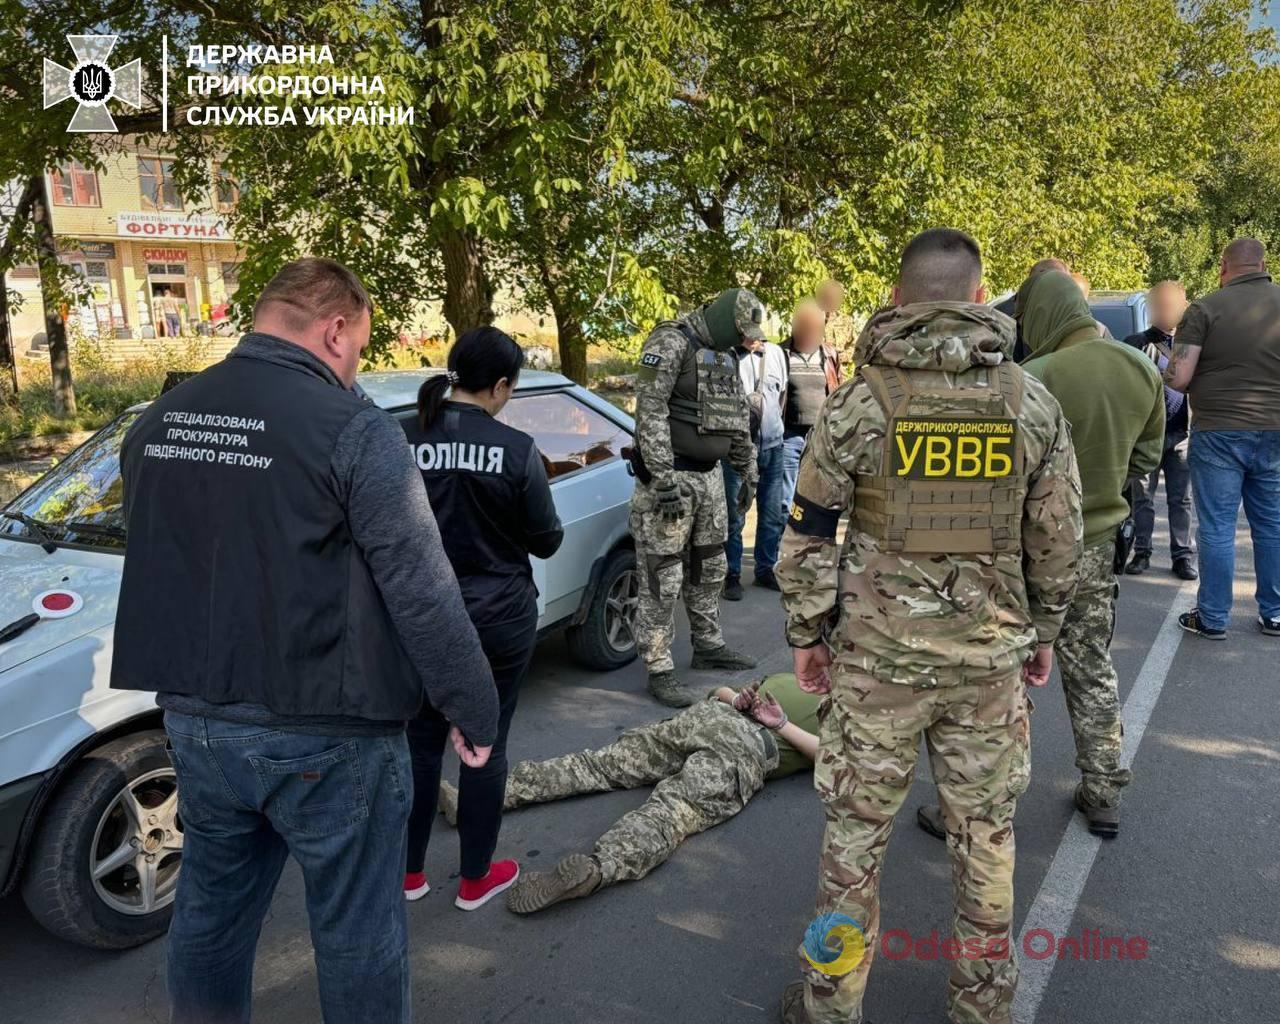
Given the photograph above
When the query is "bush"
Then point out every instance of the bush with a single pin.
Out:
(104, 388)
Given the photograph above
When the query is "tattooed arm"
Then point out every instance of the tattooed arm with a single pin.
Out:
(1187, 342)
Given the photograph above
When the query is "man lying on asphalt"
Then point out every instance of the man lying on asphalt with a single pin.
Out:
(707, 763)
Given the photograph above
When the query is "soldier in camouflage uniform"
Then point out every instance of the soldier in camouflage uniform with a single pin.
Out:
(690, 413)
(958, 563)
(1113, 398)
(706, 762)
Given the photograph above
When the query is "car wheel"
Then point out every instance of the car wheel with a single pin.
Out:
(606, 639)
(103, 870)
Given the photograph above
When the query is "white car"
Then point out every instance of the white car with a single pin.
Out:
(88, 811)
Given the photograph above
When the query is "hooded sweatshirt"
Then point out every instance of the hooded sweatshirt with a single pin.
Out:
(1111, 395)
(941, 619)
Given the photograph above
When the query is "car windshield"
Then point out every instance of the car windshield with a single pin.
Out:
(78, 500)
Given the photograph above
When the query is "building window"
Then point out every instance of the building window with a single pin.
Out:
(230, 275)
(159, 190)
(226, 193)
(74, 185)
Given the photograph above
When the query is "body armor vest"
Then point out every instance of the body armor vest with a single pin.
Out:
(952, 478)
(707, 407)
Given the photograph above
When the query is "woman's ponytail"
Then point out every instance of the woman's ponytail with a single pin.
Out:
(430, 398)
(477, 361)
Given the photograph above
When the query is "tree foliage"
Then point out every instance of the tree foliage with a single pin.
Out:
(613, 161)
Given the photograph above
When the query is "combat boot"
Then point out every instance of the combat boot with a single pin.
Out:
(1103, 821)
(574, 877)
(666, 689)
(929, 818)
(723, 657)
(792, 1010)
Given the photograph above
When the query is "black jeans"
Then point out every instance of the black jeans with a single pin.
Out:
(509, 648)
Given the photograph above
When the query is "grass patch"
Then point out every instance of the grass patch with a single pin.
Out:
(103, 388)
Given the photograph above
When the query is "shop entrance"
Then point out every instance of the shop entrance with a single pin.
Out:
(169, 312)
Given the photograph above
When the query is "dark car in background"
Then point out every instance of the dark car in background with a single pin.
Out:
(1124, 313)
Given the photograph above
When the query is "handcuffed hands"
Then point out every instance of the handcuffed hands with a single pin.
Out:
(763, 709)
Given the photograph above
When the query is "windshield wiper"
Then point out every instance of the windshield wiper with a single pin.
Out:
(36, 526)
(94, 529)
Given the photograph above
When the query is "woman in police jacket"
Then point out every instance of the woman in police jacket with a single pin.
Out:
(489, 491)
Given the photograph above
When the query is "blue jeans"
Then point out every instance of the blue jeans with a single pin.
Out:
(249, 796)
(792, 449)
(770, 514)
(1228, 467)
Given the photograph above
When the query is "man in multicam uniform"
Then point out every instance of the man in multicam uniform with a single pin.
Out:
(958, 475)
(704, 765)
(690, 413)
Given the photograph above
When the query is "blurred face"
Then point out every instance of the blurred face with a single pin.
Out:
(749, 344)
(807, 329)
(1167, 304)
(830, 295)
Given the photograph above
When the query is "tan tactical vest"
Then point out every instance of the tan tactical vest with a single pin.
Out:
(707, 406)
(952, 478)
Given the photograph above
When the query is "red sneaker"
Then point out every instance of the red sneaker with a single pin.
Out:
(415, 885)
(476, 892)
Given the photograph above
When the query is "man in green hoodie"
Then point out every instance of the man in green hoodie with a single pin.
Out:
(1113, 399)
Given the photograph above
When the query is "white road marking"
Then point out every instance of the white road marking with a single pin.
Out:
(1059, 893)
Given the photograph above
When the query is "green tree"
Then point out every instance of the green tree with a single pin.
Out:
(510, 171)
(37, 141)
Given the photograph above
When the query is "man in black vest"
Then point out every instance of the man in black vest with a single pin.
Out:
(286, 595)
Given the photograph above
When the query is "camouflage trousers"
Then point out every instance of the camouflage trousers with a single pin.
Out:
(707, 762)
(680, 558)
(1089, 678)
(978, 737)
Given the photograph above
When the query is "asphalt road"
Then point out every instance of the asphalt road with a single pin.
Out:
(711, 936)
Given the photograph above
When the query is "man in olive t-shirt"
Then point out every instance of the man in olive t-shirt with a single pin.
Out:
(1226, 357)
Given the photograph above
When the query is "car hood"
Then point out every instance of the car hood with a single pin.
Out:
(25, 571)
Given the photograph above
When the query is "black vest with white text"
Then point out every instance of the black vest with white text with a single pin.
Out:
(242, 582)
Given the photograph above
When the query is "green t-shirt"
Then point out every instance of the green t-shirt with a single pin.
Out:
(802, 710)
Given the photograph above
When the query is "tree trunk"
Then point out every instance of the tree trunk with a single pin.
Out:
(64, 392)
(572, 344)
(570, 340)
(468, 295)
(8, 357)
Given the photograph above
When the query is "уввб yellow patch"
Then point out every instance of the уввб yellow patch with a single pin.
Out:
(952, 449)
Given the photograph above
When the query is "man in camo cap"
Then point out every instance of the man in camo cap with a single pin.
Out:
(690, 413)
(941, 604)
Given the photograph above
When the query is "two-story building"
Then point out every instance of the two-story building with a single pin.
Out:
(139, 242)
